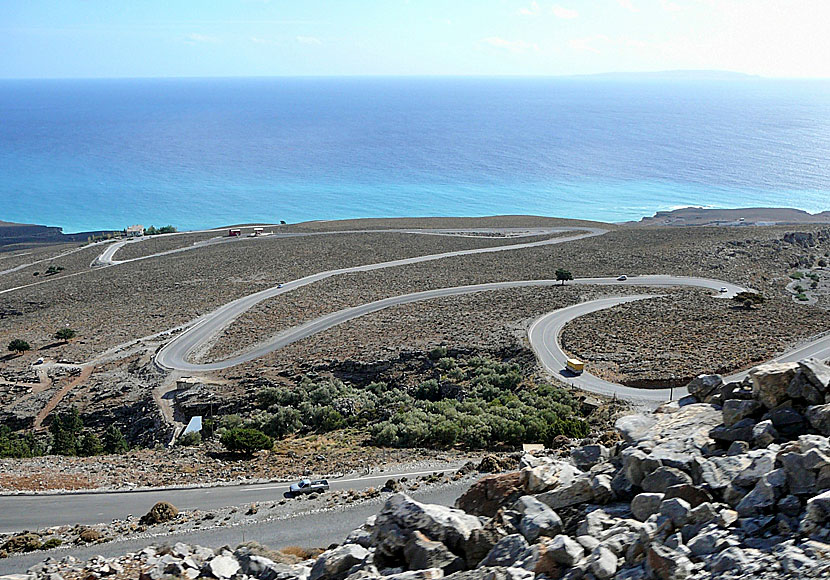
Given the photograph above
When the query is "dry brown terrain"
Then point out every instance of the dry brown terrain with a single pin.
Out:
(687, 331)
(671, 340)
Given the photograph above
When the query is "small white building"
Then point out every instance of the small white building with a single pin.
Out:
(135, 231)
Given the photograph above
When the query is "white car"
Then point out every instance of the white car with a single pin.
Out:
(723, 289)
(622, 278)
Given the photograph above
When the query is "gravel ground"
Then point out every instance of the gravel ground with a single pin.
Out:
(338, 452)
(109, 306)
(749, 256)
(687, 333)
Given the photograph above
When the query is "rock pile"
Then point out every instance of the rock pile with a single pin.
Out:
(731, 482)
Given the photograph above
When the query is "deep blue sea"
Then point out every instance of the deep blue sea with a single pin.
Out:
(99, 154)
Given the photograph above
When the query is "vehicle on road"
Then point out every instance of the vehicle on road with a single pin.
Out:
(575, 366)
(306, 486)
(39, 361)
(622, 278)
(723, 289)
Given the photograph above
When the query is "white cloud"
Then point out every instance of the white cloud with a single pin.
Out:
(195, 38)
(510, 45)
(564, 13)
(309, 40)
(628, 5)
(590, 43)
(532, 10)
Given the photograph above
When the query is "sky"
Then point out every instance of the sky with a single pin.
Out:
(209, 38)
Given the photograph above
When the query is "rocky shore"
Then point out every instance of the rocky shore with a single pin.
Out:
(731, 482)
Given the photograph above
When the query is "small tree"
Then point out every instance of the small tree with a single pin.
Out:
(245, 441)
(749, 299)
(563, 275)
(114, 441)
(192, 439)
(65, 334)
(19, 346)
(90, 445)
(66, 429)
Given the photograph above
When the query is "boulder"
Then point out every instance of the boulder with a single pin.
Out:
(801, 480)
(482, 540)
(489, 493)
(740, 431)
(401, 516)
(770, 382)
(759, 500)
(764, 434)
(736, 409)
(662, 478)
(506, 552)
(763, 461)
(580, 490)
(816, 514)
(817, 373)
(716, 473)
(819, 418)
(549, 474)
(802, 388)
(633, 428)
(703, 387)
(677, 510)
(731, 559)
(603, 563)
(537, 518)
(587, 456)
(788, 422)
(692, 494)
(563, 550)
(225, 566)
(644, 505)
(421, 553)
(667, 564)
(637, 464)
(162, 512)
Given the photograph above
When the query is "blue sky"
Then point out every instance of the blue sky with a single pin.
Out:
(151, 38)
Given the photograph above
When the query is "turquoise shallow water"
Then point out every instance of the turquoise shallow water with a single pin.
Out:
(96, 154)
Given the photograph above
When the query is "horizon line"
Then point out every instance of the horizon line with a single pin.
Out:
(723, 74)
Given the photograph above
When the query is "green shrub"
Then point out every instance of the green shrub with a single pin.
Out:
(438, 353)
(797, 275)
(801, 296)
(51, 543)
(245, 441)
(192, 439)
(114, 441)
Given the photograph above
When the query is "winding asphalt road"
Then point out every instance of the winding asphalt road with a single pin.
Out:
(35, 511)
(316, 529)
(174, 355)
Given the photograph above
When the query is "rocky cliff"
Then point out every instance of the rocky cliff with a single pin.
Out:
(731, 482)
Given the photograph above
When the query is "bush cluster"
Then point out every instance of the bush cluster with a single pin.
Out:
(478, 404)
(152, 230)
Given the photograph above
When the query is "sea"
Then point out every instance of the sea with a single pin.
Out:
(196, 153)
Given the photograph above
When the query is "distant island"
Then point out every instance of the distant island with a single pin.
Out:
(754, 216)
(684, 75)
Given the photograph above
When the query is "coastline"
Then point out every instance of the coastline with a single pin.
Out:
(19, 234)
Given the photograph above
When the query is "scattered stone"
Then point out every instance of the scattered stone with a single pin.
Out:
(538, 519)
(333, 562)
(161, 512)
(644, 505)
